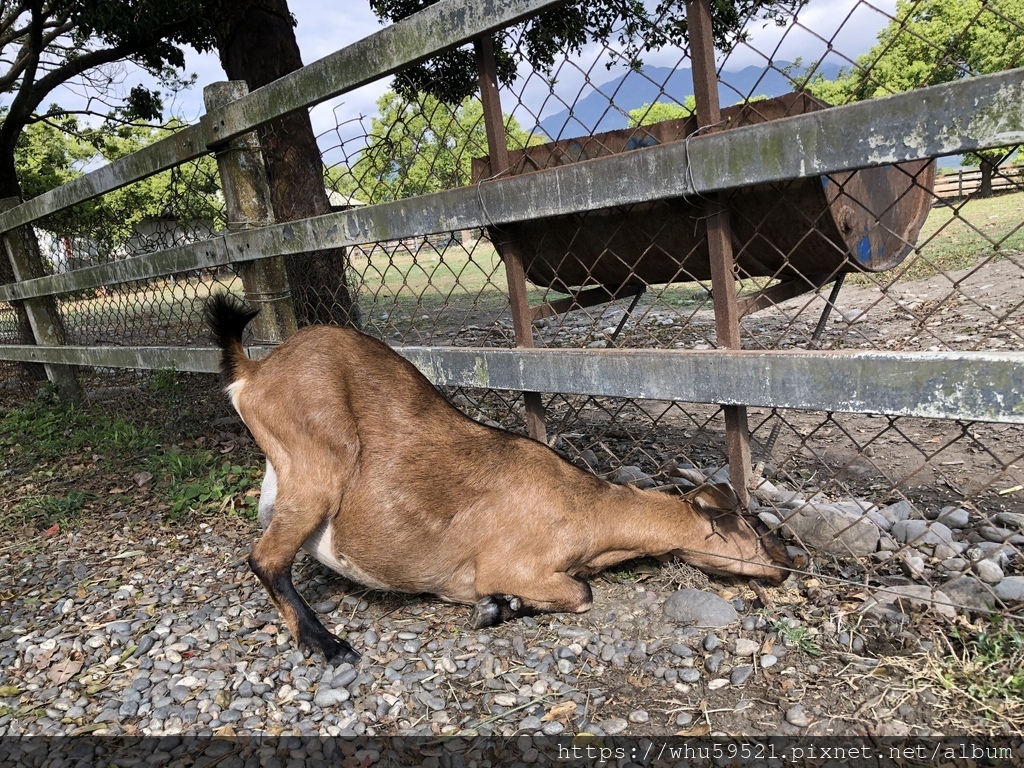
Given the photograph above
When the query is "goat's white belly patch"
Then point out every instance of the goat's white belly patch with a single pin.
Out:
(319, 546)
(319, 542)
(268, 495)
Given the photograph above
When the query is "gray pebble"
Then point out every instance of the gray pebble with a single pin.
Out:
(330, 697)
(690, 675)
(795, 715)
(680, 650)
(614, 726)
(741, 674)
(745, 647)
(714, 661)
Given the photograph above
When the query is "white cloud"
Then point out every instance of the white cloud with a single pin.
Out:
(849, 26)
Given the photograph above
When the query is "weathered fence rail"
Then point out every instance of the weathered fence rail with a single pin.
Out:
(989, 111)
(889, 383)
(980, 113)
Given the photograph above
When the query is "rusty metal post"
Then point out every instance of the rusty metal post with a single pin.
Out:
(47, 328)
(719, 232)
(247, 202)
(497, 147)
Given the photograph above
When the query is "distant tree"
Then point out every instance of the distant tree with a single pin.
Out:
(929, 42)
(110, 225)
(47, 45)
(452, 76)
(670, 110)
(422, 145)
(662, 110)
(49, 155)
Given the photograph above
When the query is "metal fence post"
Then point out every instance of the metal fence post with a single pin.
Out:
(509, 250)
(247, 202)
(719, 234)
(47, 328)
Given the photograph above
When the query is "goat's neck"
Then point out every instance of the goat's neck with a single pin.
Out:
(630, 523)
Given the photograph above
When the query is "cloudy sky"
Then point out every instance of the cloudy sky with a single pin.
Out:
(847, 26)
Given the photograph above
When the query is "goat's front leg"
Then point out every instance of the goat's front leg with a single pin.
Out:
(271, 560)
(496, 609)
(556, 593)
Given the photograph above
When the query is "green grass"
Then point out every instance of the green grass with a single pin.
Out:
(987, 666)
(62, 462)
(798, 636)
(958, 236)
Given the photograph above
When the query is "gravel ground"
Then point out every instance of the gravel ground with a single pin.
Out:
(135, 627)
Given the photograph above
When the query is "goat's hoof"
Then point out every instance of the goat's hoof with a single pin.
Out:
(486, 613)
(344, 656)
(335, 650)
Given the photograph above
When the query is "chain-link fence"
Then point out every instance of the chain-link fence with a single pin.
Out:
(895, 258)
(885, 259)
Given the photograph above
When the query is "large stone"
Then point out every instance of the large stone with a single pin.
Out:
(921, 532)
(901, 510)
(630, 475)
(919, 596)
(692, 607)
(769, 492)
(833, 529)
(1011, 589)
(970, 592)
(954, 517)
(988, 571)
(1010, 519)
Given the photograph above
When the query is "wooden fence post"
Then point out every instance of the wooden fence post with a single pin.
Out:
(23, 251)
(247, 202)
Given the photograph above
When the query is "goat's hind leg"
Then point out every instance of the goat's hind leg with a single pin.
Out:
(271, 560)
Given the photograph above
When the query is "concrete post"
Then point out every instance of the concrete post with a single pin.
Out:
(47, 328)
(247, 200)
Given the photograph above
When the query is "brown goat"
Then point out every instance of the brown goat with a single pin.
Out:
(372, 471)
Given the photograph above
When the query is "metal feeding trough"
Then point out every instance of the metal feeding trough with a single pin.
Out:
(813, 229)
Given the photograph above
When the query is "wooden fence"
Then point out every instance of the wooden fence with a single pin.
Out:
(963, 183)
(978, 113)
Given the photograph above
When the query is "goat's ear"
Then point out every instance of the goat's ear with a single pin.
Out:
(718, 497)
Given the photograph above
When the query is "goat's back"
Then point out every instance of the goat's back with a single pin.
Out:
(343, 416)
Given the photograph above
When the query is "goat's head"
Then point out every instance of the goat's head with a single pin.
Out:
(731, 542)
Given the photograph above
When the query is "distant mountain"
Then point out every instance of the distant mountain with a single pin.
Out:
(605, 107)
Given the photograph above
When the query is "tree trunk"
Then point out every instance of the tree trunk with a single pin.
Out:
(256, 42)
(987, 168)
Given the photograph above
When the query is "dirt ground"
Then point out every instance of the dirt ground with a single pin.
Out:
(853, 669)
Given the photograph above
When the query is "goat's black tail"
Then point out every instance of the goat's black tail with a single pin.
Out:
(227, 317)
